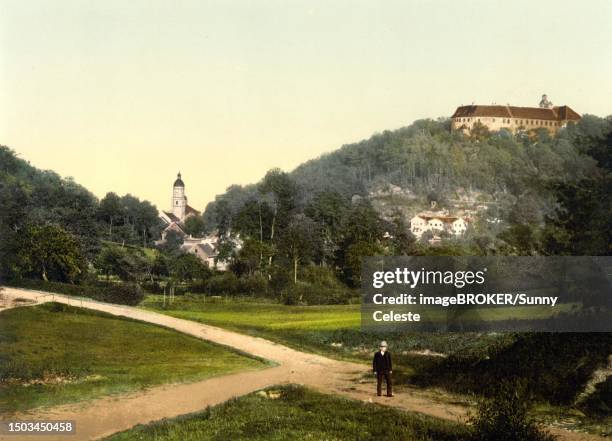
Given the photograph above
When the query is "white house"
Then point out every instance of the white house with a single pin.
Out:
(423, 222)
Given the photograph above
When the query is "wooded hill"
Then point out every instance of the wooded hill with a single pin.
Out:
(429, 162)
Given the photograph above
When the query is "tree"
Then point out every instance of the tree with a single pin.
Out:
(581, 224)
(402, 241)
(523, 238)
(361, 234)
(172, 243)
(195, 226)
(479, 131)
(354, 256)
(110, 211)
(187, 267)
(329, 209)
(51, 253)
(297, 241)
(109, 260)
(282, 192)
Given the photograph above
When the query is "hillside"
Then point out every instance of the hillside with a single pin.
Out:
(490, 175)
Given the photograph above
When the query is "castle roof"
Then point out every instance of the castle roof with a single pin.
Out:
(557, 113)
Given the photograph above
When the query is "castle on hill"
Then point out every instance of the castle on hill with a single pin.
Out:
(513, 118)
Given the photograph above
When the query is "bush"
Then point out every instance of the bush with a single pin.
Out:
(226, 283)
(152, 287)
(315, 294)
(253, 284)
(504, 417)
(555, 367)
(317, 286)
(600, 401)
(121, 293)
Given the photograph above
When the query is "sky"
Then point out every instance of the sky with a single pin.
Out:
(121, 95)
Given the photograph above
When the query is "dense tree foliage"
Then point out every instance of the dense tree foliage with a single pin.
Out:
(544, 195)
(52, 228)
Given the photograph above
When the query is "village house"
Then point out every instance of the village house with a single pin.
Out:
(437, 223)
(512, 118)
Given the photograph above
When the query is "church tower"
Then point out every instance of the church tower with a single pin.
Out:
(179, 200)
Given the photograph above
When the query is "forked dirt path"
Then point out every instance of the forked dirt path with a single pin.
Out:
(104, 416)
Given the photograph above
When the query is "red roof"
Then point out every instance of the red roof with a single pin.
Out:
(171, 216)
(446, 219)
(562, 113)
(190, 210)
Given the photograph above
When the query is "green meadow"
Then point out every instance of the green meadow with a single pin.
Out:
(554, 366)
(331, 330)
(53, 354)
(297, 413)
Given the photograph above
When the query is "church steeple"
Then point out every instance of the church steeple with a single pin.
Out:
(179, 182)
(179, 200)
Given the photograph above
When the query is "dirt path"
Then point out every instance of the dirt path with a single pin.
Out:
(104, 416)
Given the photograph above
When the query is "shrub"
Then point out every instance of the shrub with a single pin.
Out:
(226, 283)
(152, 287)
(122, 293)
(504, 417)
(600, 401)
(253, 284)
(315, 294)
(317, 286)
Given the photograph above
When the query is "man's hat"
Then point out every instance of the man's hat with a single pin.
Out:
(383, 344)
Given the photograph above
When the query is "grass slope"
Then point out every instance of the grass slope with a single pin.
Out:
(296, 413)
(53, 353)
(332, 330)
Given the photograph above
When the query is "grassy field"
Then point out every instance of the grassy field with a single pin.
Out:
(53, 353)
(296, 413)
(555, 366)
(332, 330)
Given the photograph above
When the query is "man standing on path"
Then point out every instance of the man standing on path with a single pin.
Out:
(383, 368)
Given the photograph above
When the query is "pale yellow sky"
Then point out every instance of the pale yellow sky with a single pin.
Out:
(122, 94)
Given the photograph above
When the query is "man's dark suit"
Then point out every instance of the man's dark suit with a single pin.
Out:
(382, 366)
